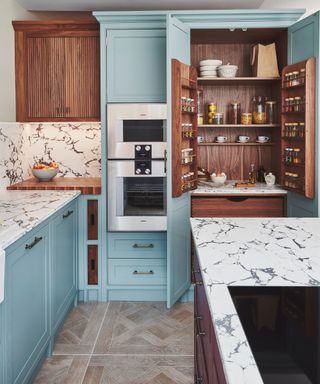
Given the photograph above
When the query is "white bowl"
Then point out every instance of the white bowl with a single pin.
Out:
(208, 67)
(218, 179)
(210, 62)
(208, 73)
(227, 70)
(45, 174)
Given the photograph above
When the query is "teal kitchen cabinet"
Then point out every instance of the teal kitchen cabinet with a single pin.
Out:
(63, 264)
(136, 66)
(40, 289)
(26, 328)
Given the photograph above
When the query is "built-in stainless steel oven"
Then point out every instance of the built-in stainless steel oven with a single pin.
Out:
(134, 124)
(137, 195)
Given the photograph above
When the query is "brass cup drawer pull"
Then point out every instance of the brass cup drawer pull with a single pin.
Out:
(143, 272)
(143, 245)
(35, 241)
(67, 214)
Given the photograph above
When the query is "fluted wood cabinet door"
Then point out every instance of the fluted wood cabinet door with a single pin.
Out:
(57, 71)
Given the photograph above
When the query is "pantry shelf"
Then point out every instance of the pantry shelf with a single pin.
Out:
(233, 80)
(238, 144)
(239, 126)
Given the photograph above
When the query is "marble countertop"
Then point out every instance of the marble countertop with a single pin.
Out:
(21, 211)
(251, 252)
(209, 188)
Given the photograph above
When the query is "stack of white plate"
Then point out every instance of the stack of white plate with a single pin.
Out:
(208, 68)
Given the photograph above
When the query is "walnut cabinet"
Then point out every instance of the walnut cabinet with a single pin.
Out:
(57, 70)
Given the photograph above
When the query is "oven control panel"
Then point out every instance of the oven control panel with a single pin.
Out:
(142, 167)
(143, 151)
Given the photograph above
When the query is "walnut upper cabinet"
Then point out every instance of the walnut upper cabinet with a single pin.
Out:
(57, 70)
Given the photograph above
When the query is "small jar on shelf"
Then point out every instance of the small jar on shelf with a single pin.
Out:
(297, 156)
(295, 78)
(271, 111)
(302, 76)
(259, 110)
(288, 155)
(234, 113)
(301, 130)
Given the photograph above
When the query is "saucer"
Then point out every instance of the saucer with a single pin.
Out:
(220, 142)
(262, 142)
(242, 142)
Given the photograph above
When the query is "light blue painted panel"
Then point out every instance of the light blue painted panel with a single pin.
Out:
(178, 237)
(136, 66)
(137, 245)
(63, 264)
(26, 307)
(303, 42)
(137, 271)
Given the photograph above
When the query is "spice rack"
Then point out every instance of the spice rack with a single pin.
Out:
(298, 128)
(184, 128)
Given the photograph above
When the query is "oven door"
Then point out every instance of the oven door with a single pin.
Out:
(136, 202)
(134, 124)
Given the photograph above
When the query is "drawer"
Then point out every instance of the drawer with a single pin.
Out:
(137, 271)
(139, 245)
(238, 206)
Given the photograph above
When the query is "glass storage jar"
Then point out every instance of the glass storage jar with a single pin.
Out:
(270, 110)
(234, 113)
(259, 110)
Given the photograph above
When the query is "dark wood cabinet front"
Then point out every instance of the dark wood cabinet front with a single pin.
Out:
(208, 365)
(57, 70)
(238, 206)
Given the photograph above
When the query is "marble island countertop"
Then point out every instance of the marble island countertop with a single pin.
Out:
(209, 188)
(21, 211)
(251, 252)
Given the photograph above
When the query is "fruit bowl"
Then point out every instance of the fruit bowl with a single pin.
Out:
(45, 171)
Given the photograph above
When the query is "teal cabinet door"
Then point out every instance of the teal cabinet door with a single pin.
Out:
(136, 66)
(303, 42)
(25, 307)
(178, 236)
(63, 264)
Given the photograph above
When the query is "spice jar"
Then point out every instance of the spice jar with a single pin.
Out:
(302, 78)
(295, 79)
(234, 113)
(301, 130)
(246, 118)
(259, 112)
(297, 104)
(271, 113)
(218, 118)
(212, 109)
(297, 156)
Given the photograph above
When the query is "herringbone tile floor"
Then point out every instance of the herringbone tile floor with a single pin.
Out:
(123, 343)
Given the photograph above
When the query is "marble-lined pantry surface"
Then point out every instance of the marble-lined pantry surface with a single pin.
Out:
(75, 146)
(251, 252)
(123, 343)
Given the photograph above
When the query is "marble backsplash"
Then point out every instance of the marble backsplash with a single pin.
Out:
(75, 146)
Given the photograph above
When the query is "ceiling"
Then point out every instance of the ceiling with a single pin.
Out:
(121, 5)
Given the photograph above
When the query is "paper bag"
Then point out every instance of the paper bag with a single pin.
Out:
(264, 60)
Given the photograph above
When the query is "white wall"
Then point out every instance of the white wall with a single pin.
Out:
(311, 6)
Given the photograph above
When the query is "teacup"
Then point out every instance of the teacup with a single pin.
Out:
(243, 139)
(221, 139)
(200, 139)
(263, 139)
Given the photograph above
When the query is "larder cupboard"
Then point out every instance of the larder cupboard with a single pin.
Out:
(191, 36)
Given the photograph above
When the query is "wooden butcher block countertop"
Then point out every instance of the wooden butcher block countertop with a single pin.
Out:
(86, 185)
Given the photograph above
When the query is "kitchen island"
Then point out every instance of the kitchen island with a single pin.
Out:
(278, 252)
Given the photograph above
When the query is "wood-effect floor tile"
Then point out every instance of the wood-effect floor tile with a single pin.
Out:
(146, 328)
(80, 329)
(121, 369)
(63, 370)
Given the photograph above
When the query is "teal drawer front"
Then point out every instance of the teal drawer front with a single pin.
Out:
(137, 272)
(137, 245)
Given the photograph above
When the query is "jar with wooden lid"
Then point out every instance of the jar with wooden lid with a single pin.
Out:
(296, 156)
(246, 118)
(259, 110)
(271, 111)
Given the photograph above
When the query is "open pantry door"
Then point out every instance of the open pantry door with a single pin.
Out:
(178, 208)
(303, 43)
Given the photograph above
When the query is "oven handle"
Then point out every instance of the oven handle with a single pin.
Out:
(165, 161)
(143, 245)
